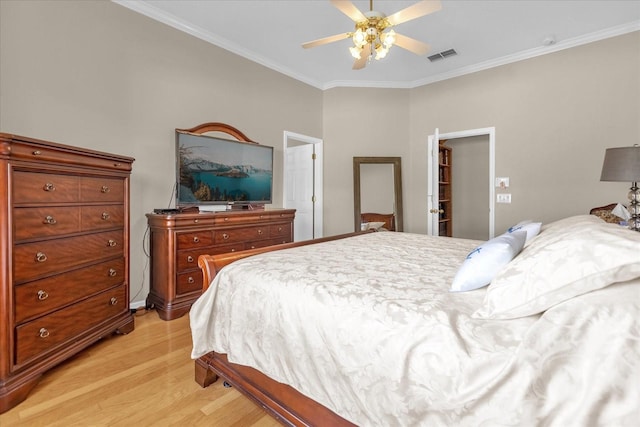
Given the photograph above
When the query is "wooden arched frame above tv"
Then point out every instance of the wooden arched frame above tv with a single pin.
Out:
(213, 170)
(217, 127)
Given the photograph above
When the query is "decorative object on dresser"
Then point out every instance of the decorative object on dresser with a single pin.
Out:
(64, 256)
(177, 241)
(623, 164)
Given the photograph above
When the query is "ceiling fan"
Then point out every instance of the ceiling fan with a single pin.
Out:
(374, 32)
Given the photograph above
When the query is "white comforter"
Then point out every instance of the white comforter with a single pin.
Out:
(367, 327)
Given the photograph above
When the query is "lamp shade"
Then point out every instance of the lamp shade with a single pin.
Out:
(621, 164)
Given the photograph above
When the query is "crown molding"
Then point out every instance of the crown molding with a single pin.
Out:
(532, 53)
(168, 19)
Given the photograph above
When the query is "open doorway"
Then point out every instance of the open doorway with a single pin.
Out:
(302, 184)
(473, 171)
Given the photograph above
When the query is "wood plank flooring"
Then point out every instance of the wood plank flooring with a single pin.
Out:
(141, 379)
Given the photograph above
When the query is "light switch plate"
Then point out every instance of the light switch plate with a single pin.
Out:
(504, 198)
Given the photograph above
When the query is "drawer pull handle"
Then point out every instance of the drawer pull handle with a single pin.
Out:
(190, 258)
(49, 187)
(279, 229)
(42, 295)
(104, 189)
(112, 272)
(261, 216)
(36, 152)
(43, 333)
(41, 257)
(225, 236)
(191, 280)
(259, 231)
(49, 220)
(196, 221)
(253, 247)
(233, 250)
(113, 301)
(111, 243)
(226, 218)
(117, 165)
(105, 216)
(196, 239)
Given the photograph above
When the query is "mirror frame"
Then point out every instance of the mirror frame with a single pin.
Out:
(397, 187)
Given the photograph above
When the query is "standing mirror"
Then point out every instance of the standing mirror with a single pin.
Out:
(377, 189)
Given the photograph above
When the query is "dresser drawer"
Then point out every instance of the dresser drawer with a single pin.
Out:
(194, 240)
(102, 217)
(45, 333)
(189, 282)
(38, 259)
(36, 187)
(241, 234)
(32, 223)
(264, 243)
(43, 296)
(280, 230)
(187, 260)
(69, 156)
(101, 189)
(251, 217)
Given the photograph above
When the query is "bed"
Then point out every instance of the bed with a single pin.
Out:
(381, 329)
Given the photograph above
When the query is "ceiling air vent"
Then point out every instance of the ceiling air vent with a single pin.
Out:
(442, 55)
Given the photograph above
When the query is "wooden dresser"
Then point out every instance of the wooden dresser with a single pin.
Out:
(176, 241)
(64, 256)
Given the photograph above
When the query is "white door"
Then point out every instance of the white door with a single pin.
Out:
(300, 165)
(432, 185)
(302, 184)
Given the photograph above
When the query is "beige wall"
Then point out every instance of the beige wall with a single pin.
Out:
(97, 75)
(359, 122)
(554, 116)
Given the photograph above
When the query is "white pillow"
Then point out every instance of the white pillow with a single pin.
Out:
(485, 261)
(532, 228)
(568, 258)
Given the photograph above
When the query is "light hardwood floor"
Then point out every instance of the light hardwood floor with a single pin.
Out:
(141, 379)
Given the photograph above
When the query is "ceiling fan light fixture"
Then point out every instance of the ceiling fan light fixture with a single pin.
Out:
(374, 33)
(388, 38)
(359, 38)
(355, 51)
(381, 52)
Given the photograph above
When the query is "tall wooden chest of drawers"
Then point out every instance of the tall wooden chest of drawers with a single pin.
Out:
(64, 256)
(178, 239)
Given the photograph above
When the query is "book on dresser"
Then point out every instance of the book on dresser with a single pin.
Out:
(64, 256)
(177, 240)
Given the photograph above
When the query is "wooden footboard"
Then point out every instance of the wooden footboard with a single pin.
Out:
(211, 264)
(283, 402)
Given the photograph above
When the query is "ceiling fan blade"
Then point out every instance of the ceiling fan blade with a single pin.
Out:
(349, 9)
(359, 64)
(417, 10)
(412, 45)
(326, 40)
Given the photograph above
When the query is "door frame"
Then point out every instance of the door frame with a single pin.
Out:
(432, 184)
(317, 177)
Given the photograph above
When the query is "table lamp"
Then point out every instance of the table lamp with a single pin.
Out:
(623, 164)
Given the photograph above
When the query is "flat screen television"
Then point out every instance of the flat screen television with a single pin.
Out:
(218, 171)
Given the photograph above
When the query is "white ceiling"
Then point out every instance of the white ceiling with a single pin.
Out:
(484, 33)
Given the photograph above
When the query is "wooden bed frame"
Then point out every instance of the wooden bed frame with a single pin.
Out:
(283, 402)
